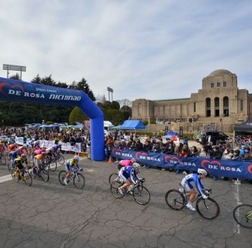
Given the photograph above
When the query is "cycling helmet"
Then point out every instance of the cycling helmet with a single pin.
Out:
(76, 158)
(202, 172)
(136, 166)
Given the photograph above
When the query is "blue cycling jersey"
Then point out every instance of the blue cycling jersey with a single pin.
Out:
(130, 173)
(193, 178)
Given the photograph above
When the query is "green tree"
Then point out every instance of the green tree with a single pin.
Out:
(115, 105)
(77, 115)
(82, 85)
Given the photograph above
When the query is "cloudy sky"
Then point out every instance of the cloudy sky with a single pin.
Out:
(153, 49)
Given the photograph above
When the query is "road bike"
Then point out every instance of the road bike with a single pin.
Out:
(140, 193)
(77, 178)
(23, 175)
(40, 173)
(243, 215)
(59, 158)
(51, 163)
(207, 208)
(112, 177)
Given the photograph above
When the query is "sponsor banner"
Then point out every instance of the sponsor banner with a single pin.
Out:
(15, 90)
(221, 168)
(19, 140)
(69, 148)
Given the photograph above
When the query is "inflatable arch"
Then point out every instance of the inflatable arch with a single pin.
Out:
(20, 91)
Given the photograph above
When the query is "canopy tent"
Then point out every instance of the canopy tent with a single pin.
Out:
(132, 125)
(245, 127)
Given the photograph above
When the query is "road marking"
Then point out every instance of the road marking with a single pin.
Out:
(5, 178)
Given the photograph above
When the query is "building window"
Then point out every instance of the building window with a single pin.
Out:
(224, 84)
(218, 84)
(225, 106)
(194, 107)
(212, 85)
(208, 107)
(216, 106)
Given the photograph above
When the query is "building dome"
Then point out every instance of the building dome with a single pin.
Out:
(219, 73)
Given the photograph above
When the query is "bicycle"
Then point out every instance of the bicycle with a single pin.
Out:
(77, 178)
(140, 193)
(24, 175)
(39, 172)
(3, 159)
(51, 163)
(59, 158)
(243, 215)
(112, 177)
(207, 208)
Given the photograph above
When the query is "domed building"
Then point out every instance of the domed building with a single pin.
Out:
(219, 104)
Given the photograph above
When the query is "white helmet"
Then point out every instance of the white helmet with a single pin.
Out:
(136, 166)
(202, 172)
(76, 158)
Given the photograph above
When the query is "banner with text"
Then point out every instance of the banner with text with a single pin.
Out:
(221, 168)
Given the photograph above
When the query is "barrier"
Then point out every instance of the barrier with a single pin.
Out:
(219, 168)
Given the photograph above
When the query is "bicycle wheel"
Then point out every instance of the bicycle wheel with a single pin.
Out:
(79, 181)
(207, 208)
(114, 189)
(243, 215)
(175, 199)
(27, 178)
(15, 175)
(112, 177)
(44, 175)
(3, 160)
(61, 159)
(52, 166)
(61, 177)
(141, 195)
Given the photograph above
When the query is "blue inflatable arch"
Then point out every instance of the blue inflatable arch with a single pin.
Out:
(19, 91)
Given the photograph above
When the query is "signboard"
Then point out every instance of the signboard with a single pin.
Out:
(14, 67)
(109, 89)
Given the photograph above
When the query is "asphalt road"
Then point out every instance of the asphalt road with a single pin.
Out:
(51, 215)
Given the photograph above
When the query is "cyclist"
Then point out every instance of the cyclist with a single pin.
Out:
(21, 163)
(194, 178)
(70, 165)
(39, 160)
(125, 162)
(129, 175)
(13, 155)
(39, 151)
(23, 149)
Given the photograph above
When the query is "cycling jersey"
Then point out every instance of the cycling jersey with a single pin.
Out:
(124, 163)
(19, 163)
(71, 164)
(128, 173)
(192, 178)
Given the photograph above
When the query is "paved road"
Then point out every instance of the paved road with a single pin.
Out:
(51, 215)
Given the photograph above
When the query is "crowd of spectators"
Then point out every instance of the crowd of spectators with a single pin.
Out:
(159, 144)
(9, 134)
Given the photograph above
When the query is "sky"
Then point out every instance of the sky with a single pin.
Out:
(152, 49)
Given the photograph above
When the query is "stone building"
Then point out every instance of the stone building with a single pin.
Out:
(219, 104)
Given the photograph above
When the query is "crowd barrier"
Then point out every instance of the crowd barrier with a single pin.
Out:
(219, 168)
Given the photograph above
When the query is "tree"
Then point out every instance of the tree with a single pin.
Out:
(16, 77)
(82, 85)
(115, 105)
(77, 115)
(127, 111)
